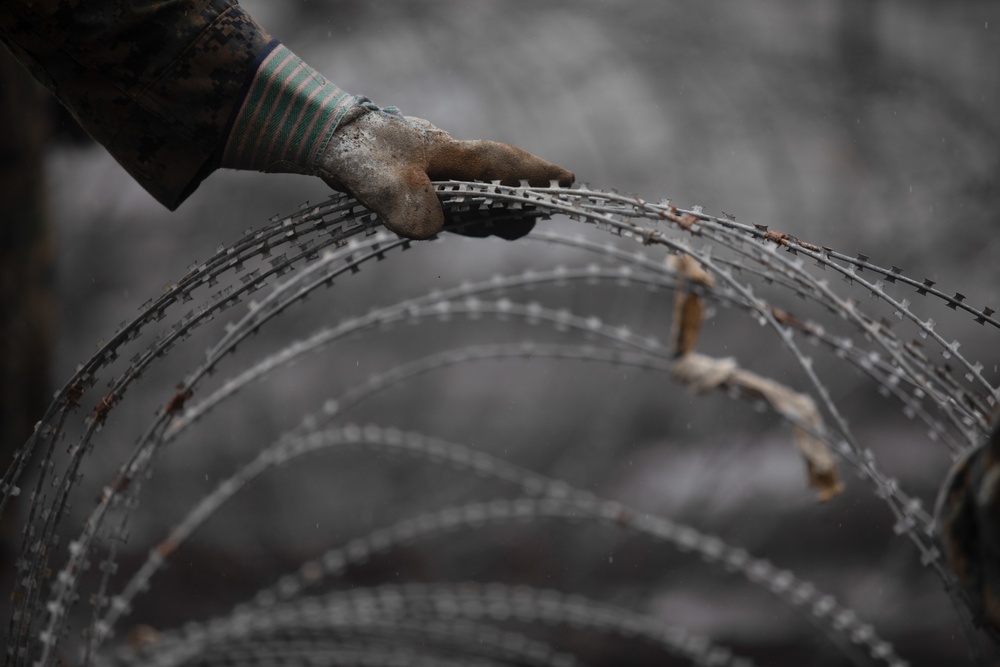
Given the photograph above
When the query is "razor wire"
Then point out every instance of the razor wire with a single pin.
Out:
(386, 605)
(411, 310)
(326, 231)
(389, 641)
(556, 500)
(437, 308)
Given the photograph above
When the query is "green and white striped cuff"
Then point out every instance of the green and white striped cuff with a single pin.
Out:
(287, 117)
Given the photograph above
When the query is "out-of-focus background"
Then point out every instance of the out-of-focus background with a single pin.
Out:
(868, 126)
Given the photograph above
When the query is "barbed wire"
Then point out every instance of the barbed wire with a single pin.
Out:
(321, 245)
(384, 606)
(560, 501)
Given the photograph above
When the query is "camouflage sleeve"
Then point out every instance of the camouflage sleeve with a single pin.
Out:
(155, 81)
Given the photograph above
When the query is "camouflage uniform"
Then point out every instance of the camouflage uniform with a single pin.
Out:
(968, 517)
(156, 82)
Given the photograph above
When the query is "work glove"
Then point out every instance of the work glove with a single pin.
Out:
(293, 120)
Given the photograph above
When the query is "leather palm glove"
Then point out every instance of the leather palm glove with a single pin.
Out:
(293, 120)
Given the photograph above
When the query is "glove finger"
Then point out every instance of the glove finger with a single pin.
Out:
(491, 161)
(513, 229)
(509, 230)
(405, 201)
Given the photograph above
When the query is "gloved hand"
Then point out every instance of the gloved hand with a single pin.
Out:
(293, 120)
(388, 163)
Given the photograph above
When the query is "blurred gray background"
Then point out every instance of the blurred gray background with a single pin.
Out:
(868, 126)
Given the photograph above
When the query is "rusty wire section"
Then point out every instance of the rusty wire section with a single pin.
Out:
(321, 246)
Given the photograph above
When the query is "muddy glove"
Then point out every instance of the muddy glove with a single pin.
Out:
(293, 120)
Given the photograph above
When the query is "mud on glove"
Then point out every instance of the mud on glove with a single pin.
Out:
(295, 121)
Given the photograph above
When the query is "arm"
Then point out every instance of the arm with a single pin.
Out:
(174, 90)
(154, 82)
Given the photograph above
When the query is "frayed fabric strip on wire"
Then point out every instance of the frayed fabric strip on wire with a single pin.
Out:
(702, 374)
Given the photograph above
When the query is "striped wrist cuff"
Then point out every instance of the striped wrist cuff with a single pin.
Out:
(287, 116)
